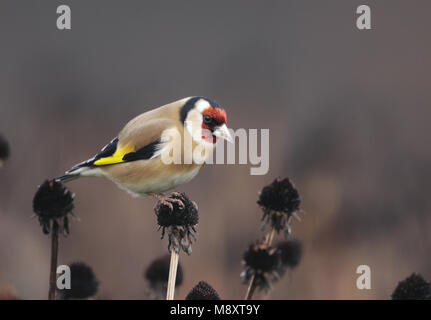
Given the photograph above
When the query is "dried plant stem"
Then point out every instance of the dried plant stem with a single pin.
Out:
(172, 275)
(270, 237)
(250, 290)
(54, 258)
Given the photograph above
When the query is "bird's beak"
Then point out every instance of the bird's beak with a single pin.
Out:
(223, 132)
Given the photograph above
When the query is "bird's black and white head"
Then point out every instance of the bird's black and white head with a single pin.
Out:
(205, 120)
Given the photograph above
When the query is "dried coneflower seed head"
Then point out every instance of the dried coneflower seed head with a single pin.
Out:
(202, 291)
(290, 252)
(157, 273)
(264, 263)
(4, 149)
(83, 282)
(280, 195)
(179, 216)
(179, 221)
(414, 287)
(279, 200)
(52, 203)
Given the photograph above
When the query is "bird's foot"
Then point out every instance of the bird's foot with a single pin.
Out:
(167, 200)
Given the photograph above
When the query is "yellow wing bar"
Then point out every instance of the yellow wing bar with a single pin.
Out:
(116, 157)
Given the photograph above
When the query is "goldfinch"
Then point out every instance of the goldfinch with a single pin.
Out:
(134, 160)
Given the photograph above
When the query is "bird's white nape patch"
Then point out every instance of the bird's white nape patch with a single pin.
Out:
(193, 124)
(201, 105)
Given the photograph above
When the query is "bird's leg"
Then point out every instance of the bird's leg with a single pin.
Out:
(167, 200)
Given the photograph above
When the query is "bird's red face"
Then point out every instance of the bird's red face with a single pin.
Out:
(214, 124)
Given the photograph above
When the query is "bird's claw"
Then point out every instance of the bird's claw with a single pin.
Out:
(167, 200)
(164, 203)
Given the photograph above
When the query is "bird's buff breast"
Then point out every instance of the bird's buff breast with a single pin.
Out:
(142, 177)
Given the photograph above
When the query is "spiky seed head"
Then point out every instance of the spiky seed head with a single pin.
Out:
(263, 263)
(280, 195)
(185, 216)
(202, 291)
(179, 221)
(260, 256)
(279, 200)
(414, 287)
(83, 282)
(290, 252)
(157, 272)
(51, 203)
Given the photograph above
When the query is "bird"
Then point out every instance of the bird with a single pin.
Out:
(136, 160)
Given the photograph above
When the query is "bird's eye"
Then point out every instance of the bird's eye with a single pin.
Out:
(207, 119)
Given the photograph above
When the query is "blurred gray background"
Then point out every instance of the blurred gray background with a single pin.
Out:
(348, 113)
